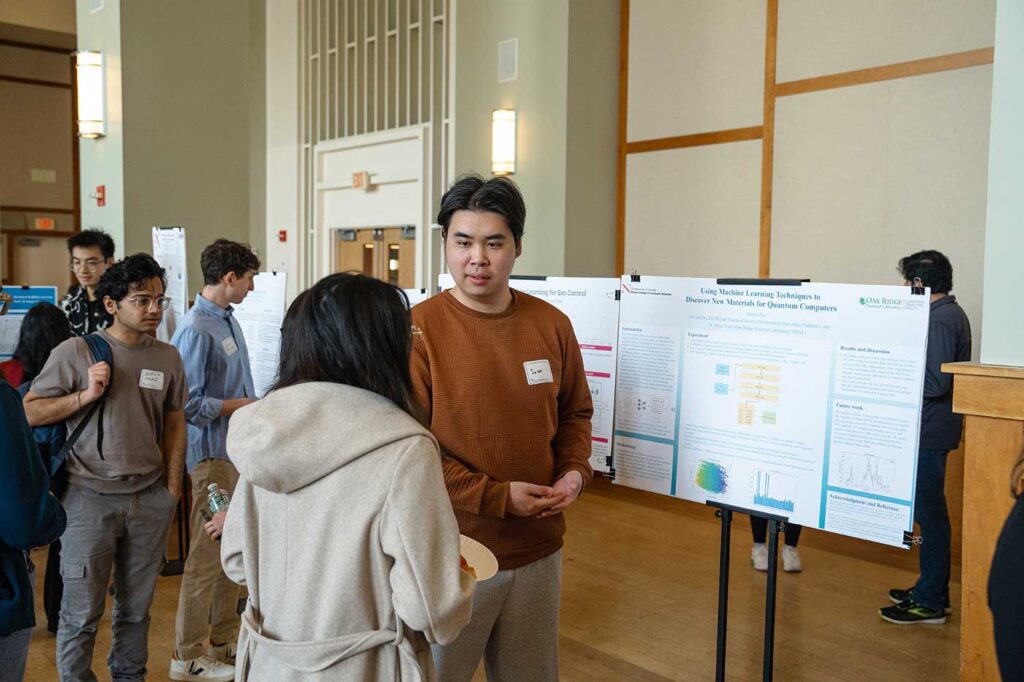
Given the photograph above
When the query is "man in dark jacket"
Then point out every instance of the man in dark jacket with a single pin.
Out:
(949, 340)
(29, 517)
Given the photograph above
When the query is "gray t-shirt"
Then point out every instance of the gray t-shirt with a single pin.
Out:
(148, 382)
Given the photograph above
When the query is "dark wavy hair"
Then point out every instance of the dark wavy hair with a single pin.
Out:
(472, 193)
(44, 328)
(87, 239)
(132, 271)
(224, 256)
(931, 267)
(350, 329)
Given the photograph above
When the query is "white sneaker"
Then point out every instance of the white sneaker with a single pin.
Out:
(225, 653)
(791, 560)
(759, 556)
(202, 669)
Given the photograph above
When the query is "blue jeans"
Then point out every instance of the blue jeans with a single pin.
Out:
(930, 513)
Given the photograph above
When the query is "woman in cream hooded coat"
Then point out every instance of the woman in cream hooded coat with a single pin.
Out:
(341, 527)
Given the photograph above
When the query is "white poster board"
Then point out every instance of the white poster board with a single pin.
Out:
(803, 401)
(169, 252)
(592, 305)
(22, 299)
(261, 316)
(416, 295)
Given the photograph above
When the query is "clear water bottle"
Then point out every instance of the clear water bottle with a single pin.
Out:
(218, 498)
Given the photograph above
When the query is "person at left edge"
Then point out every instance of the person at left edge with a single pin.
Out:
(122, 491)
(30, 516)
(219, 382)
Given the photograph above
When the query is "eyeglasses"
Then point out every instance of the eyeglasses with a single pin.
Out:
(145, 302)
(90, 264)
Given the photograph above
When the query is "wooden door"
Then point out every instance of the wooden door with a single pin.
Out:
(388, 254)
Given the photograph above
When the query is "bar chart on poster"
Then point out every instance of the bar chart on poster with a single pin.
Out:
(801, 400)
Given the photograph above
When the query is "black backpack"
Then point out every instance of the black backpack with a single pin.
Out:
(101, 352)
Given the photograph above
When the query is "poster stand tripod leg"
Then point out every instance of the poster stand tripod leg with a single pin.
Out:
(775, 524)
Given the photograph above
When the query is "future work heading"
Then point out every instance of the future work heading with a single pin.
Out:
(772, 299)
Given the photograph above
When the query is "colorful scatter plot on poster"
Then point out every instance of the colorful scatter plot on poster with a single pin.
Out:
(712, 477)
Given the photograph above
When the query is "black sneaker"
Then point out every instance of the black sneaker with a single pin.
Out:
(911, 613)
(898, 596)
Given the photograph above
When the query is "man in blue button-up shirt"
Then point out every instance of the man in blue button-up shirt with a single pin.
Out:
(220, 381)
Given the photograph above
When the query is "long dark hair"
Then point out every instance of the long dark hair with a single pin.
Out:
(350, 329)
(44, 328)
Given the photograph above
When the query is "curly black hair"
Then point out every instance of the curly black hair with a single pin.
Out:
(931, 267)
(88, 239)
(224, 256)
(497, 195)
(132, 271)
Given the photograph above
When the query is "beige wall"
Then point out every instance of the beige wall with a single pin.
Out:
(185, 123)
(591, 138)
(101, 161)
(539, 98)
(1003, 333)
(187, 131)
(862, 174)
(565, 98)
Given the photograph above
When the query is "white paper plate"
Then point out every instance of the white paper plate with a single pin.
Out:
(479, 557)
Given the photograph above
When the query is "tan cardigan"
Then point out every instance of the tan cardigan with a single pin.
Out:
(342, 530)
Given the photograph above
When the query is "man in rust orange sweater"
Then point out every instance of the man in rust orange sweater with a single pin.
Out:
(500, 377)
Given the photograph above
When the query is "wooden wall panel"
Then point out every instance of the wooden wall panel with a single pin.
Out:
(694, 211)
(818, 37)
(866, 175)
(694, 67)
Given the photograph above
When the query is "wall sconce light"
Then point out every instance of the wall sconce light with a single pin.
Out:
(503, 141)
(92, 95)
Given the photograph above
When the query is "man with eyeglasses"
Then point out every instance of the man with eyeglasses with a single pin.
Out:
(124, 472)
(92, 252)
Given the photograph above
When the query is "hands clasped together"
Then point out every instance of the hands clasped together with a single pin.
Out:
(528, 499)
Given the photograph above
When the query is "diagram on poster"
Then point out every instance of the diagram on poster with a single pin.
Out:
(261, 316)
(592, 306)
(802, 401)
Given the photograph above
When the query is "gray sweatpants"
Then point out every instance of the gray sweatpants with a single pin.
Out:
(514, 627)
(126, 532)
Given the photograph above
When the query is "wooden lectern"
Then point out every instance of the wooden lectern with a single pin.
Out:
(991, 398)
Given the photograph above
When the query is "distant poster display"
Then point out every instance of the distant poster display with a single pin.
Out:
(22, 298)
(261, 316)
(803, 401)
(169, 252)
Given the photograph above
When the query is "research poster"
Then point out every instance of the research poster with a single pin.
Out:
(22, 298)
(416, 295)
(591, 304)
(802, 401)
(261, 316)
(169, 252)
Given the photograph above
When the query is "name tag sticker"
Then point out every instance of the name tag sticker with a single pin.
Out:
(152, 379)
(230, 347)
(538, 372)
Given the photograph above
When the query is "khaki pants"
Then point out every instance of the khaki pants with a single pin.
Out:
(208, 602)
(514, 627)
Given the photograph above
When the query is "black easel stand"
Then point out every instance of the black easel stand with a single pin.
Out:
(775, 524)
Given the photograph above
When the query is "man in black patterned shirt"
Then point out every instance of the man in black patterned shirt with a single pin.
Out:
(92, 252)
